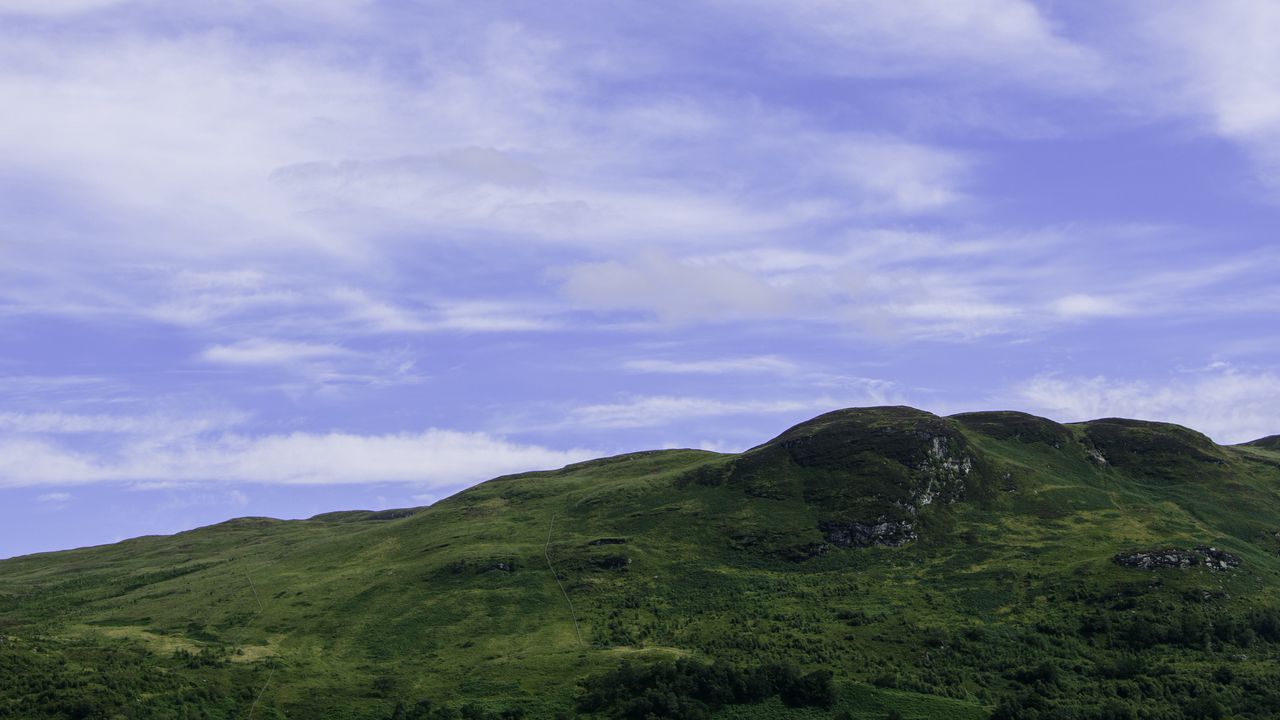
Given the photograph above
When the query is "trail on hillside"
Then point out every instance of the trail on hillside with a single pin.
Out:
(257, 599)
(546, 552)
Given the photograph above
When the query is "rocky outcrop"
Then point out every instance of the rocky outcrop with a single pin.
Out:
(1216, 559)
(885, 533)
(867, 472)
(1175, 558)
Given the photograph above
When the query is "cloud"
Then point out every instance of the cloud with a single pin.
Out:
(766, 364)
(34, 423)
(1089, 306)
(991, 39)
(659, 410)
(1217, 62)
(676, 291)
(261, 351)
(859, 289)
(66, 9)
(900, 177)
(53, 497)
(431, 458)
(1229, 405)
(55, 7)
(369, 314)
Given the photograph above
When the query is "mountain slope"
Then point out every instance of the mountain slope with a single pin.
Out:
(948, 567)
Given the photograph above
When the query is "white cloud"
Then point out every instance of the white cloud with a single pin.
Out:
(1230, 406)
(990, 39)
(53, 497)
(768, 364)
(900, 177)
(432, 458)
(1218, 61)
(77, 423)
(71, 8)
(677, 291)
(373, 315)
(261, 351)
(652, 411)
(1087, 306)
(30, 388)
(54, 7)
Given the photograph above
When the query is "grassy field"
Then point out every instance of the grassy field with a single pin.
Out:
(990, 588)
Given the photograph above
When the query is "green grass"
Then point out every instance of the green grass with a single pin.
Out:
(722, 558)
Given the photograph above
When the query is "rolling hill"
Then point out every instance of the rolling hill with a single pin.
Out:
(875, 562)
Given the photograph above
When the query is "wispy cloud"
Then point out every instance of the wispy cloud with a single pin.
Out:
(677, 291)
(1011, 40)
(77, 423)
(431, 458)
(1216, 63)
(260, 351)
(766, 364)
(660, 410)
(1229, 405)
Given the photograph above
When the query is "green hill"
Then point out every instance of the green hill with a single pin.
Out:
(936, 567)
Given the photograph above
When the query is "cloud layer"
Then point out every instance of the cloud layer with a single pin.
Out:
(435, 459)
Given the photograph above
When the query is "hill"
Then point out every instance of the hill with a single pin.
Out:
(865, 562)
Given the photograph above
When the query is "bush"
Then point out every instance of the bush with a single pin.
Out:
(693, 690)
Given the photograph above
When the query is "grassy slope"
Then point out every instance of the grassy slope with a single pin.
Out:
(343, 615)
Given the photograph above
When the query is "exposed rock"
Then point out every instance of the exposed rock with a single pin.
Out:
(1095, 455)
(1152, 559)
(608, 541)
(888, 533)
(1216, 559)
(1210, 557)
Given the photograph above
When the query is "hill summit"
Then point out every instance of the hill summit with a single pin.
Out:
(866, 562)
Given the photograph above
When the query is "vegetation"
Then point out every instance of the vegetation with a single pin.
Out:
(688, 689)
(866, 564)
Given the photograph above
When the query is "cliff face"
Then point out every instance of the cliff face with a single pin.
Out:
(867, 472)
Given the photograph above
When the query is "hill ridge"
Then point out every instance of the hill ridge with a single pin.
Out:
(988, 563)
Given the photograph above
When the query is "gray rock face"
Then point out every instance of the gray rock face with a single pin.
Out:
(868, 472)
(1210, 557)
(1216, 559)
(886, 533)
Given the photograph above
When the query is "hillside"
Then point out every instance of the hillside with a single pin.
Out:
(937, 566)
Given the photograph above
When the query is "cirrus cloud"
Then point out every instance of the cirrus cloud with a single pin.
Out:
(430, 458)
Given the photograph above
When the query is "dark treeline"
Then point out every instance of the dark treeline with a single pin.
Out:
(693, 690)
(684, 689)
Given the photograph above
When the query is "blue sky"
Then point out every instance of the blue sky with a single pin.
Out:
(280, 257)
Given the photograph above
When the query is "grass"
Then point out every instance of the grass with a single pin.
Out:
(709, 556)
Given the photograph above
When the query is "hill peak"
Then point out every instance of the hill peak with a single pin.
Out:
(1270, 442)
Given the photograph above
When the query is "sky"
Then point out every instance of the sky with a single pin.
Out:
(283, 257)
